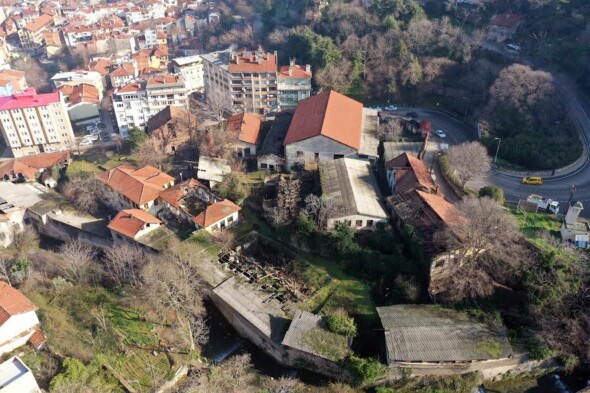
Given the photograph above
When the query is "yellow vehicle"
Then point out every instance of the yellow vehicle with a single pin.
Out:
(532, 180)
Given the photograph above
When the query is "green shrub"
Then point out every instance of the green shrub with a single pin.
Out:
(493, 192)
(365, 370)
(539, 350)
(305, 225)
(342, 325)
(569, 362)
(76, 376)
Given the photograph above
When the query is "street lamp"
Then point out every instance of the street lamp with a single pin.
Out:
(497, 149)
(466, 108)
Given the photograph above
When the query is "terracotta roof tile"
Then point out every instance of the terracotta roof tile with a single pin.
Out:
(247, 125)
(30, 166)
(173, 195)
(411, 173)
(297, 72)
(37, 339)
(13, 302)
(445, 210)
(246, 61)
(506, 20)
(129, 222)
(330, 114)
(166, 115)
(80, 93)
(40, 22)
(138, 185)
(216, 212)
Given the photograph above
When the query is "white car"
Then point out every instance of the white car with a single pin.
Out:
(86, 142)
(390, 108)
(440, 133)
(91, 137)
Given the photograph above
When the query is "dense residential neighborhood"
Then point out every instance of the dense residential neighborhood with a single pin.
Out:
(294, 196)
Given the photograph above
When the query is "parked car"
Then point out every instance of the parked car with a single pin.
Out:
(86, 142)
(105, 137)
(441, 133)
(412, 114)
(532, 180)
(513, 47)
(90, 137)
(390, 108)
(101, 125)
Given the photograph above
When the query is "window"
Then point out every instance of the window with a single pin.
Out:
(299, 154)
(359, 223)
(369, 223)
(316, 156)
(263, 166)
(230, 219)
(337, 156)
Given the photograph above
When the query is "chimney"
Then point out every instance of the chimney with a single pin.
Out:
(276, 57)
(573, 211)
(308, 68)
(291, 62)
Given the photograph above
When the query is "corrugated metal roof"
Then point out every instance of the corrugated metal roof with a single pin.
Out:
(352, 183)
(419, 333)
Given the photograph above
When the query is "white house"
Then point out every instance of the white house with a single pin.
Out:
(131, 224)
(16, 377)
(18, 321)
(218, 216)
(212, 169)
(353, 185)
(247, 126)
(191, 68)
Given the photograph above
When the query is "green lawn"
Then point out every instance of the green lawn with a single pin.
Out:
(532, 223)
(82, 169)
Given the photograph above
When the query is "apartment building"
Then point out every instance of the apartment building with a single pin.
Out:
(294, 84)
(191, 69)
(34, 123)
(31, 35)
(136, 102)
(248, 81)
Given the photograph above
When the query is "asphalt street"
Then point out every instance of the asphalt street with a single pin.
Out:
(554, 187)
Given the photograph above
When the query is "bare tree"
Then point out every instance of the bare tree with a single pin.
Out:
(390, 131)
(149, 152)
(469, 160)
(173, 286)
(89, 193)
(217, 106)
(25, 239)
(484, 247)
(123, 264)
(335, 76)
(5, 267)
(77, 258)
(320, 209)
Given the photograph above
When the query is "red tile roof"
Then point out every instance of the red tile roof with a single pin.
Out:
(40, 22)
(29, 166)
(129, 222)
(297, 71)
(246, 61)
(247, 125)
(13, 302)
(445, 210)
(176, 193)
(28, 99)
(37, 339)
(506, 20)
(80, 93)
(216, 212)
(139, 185)
(131, 87)
(330, 114)
(411, 173)
(102, 66)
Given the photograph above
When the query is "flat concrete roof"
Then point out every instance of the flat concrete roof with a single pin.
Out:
(15, 377)
(212, 169)
(369, 141)
(20, 195)
(258, 307)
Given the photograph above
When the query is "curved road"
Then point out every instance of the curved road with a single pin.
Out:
(555, 187)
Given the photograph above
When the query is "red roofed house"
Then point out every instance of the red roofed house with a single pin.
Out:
(247, 126)
(31, 36)
(131, 224)
(83, 102)
(30, 166)
(324, 127)
(18, 321)
(503, 26)
(406, 172)
(294, 84)
(192, 202)
(138, 188)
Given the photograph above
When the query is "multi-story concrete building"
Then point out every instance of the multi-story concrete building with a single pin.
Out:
(248, 81)
(138, 101)
(78, 77)
(191, 69)
(34, 123)
(31, 36)
(294, 84)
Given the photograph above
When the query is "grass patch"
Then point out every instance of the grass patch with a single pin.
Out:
(330, 345)
(142, 369)
(531, 224)
(82, 169)
(206, 241)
